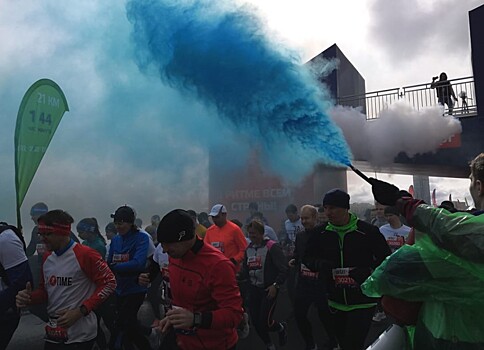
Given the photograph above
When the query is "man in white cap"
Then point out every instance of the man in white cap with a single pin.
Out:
(226, 236)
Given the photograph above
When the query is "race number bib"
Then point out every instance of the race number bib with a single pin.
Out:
(395, 242)
(307, 273)
(254, 262)
(54, 333)
(342, 279)
(219, 246)
(120, 258)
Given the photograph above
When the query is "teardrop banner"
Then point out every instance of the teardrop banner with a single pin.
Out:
(39, 115)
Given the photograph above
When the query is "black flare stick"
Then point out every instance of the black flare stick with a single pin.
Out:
(363, 176)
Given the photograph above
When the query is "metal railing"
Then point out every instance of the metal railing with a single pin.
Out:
(419, 96)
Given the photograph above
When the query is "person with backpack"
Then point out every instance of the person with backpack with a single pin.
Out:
(14, 274)
(265, 268)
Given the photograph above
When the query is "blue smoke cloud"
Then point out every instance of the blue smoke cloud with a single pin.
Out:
(221, 55)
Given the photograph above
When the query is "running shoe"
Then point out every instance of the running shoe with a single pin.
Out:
(283, 334)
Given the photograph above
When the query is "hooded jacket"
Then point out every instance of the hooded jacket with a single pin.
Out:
(346, 256)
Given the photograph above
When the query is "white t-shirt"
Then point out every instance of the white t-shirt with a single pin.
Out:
(160, 257)
(395, 237)
(11, 252)
(292, 228)
(270, 233)
(388, 231)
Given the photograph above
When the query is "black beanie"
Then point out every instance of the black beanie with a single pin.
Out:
(124, 214)
(176, 226)
(338, 198)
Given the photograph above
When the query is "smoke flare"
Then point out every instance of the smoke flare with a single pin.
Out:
(222, 56)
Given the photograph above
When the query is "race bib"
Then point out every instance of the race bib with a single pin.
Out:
(219, 246)
(254, 262)
(307, 273)
(395, 242)
(120, 258)
(54, 333)
(342, 279)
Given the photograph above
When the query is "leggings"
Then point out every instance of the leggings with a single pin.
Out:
(349, 327)
(127, 327)
(305, 296)
(261, 310)
(87, 345)
(8, 324)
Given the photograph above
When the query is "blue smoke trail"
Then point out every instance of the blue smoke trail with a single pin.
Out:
(220, 55)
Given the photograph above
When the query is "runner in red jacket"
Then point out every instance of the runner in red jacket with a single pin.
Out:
(207, 307)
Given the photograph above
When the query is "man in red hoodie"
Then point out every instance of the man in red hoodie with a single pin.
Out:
(207, 307)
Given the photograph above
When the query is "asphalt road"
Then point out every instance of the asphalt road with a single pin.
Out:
(29, 334)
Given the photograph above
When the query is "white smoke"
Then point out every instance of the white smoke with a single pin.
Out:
(399, 128)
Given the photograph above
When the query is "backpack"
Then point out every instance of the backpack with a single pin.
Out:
(3, 227)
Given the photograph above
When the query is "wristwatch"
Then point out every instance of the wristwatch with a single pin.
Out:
(275, 285)
(84, 310)
(197, 319)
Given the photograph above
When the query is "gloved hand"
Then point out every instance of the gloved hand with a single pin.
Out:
(360, 274)
(384, 193)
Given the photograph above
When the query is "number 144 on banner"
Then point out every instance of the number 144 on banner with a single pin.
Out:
(39, 115)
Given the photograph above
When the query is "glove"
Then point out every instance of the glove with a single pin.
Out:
(360, 274)
(385, 193)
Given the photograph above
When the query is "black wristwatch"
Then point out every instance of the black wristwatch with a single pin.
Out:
(197, 319)
(275, 285)
(84, 310)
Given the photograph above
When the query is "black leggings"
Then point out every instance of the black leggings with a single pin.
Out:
(349, 327)
(8, 324)
(261, 310)
(304, 298)
(127, 327)
(87, 345)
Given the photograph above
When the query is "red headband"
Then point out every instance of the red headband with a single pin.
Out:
(59, 229)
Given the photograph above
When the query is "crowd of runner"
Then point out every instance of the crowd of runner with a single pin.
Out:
(210, 281)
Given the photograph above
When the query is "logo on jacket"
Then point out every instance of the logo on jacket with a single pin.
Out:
(60, 281)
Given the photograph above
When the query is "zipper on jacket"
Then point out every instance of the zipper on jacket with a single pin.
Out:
(341, 245)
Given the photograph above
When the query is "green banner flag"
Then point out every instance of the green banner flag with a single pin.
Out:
(39, 114)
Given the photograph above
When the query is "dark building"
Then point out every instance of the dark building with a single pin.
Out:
(476, 24)
(345, 80)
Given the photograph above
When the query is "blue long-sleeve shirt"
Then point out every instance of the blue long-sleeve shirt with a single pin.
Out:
(127, 258)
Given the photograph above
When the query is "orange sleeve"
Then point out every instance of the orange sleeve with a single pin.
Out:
(241, 244)
(208, 236)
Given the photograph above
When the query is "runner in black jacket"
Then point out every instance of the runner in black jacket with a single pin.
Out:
(345, 253)
(265, 267)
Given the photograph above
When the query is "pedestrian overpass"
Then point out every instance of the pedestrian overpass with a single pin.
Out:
(453, 156)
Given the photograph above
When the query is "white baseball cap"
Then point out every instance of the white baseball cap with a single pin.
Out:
(217, 209)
